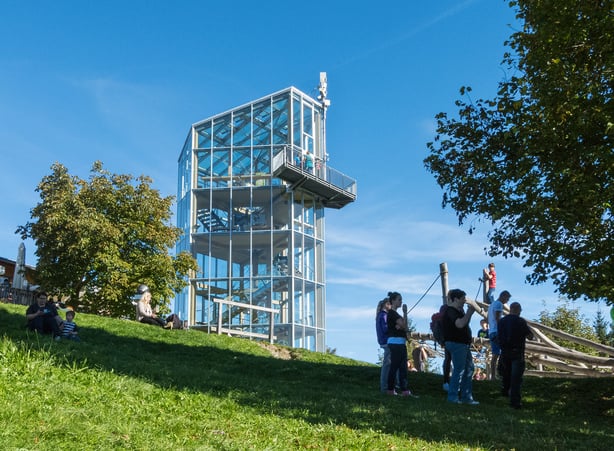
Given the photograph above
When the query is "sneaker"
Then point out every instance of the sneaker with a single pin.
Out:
(391, 392)
(408, 393)
(471, 402)
(57, 338)
(454, 401)
(445, 386)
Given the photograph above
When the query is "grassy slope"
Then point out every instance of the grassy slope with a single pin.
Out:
(132, 386)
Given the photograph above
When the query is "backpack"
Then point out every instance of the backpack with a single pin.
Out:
(437, 325)
(174, 322)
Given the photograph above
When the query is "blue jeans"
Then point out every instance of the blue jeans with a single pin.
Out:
(490, 296)
(447, 363)
(494, 343)
(462, 372)
(383, 377)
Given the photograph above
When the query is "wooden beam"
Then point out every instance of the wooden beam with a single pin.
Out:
(578, 340)
(535, 348)
(558, 374)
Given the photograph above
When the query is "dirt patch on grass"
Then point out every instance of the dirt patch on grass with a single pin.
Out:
(276, 351)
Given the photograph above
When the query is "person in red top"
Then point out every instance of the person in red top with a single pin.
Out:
(491, 275)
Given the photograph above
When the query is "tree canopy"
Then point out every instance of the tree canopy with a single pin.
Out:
(98, 239)
(567, 318)
(536, 161)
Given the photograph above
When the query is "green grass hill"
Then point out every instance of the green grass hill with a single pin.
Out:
(129, 386)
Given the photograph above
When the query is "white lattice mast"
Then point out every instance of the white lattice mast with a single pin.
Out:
(323, 89)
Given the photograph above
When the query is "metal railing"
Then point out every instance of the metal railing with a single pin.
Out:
(308, 163)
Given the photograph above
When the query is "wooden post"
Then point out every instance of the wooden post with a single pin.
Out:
(443, 272)
(219, 317)
(405, 317)
(484, 288)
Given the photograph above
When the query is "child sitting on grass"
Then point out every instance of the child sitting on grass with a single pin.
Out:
(69, 328)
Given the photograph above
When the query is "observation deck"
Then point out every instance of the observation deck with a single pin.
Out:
(304, 171)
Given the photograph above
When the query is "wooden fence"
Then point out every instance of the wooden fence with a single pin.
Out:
(545, 356)
(16, 296)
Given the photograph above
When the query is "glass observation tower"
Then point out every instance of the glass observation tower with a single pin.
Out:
(252, 189)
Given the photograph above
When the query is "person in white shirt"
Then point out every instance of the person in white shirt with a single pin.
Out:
(145, 313)
(495, 313)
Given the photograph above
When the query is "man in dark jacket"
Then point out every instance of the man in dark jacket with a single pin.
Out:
(42, 316)
(513, 332)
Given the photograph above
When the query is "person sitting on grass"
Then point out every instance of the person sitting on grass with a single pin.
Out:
(479, 375)
(145, 313)
(70, 330)
(42, 316)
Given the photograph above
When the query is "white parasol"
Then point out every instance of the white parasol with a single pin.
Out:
(20, 268)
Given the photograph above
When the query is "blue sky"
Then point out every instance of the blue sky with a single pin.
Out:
(122, 81)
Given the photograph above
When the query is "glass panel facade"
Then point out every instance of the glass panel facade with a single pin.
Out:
(258, 237)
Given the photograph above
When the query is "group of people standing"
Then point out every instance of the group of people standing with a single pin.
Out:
(391, 329)
(507, 335)
(305, 161)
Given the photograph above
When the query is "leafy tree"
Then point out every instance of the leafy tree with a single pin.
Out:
(567, 318)
(536, 161)
(98, 239)
(411, 327)
(610, 336)
(600, 326)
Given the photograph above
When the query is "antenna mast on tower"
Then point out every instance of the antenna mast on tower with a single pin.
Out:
(323, 88)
